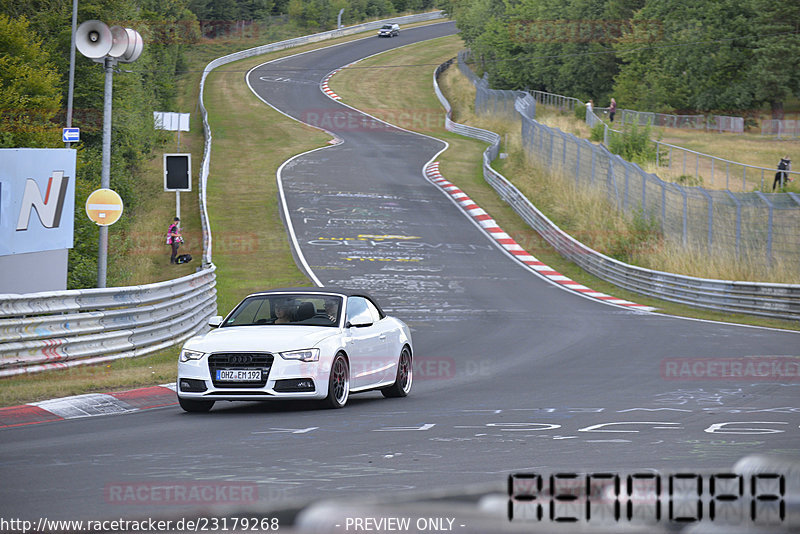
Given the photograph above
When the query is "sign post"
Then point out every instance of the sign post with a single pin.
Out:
(177, 176)
(177, 167)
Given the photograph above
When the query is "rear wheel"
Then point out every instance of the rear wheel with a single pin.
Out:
(190, 405)
(338, 383)
(404, 379)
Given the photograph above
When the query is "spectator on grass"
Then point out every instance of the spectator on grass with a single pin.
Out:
(174, 238)
(782, 177)
(612, 110)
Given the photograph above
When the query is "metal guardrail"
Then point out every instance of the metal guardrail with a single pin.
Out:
(57, 329)
(764, 299)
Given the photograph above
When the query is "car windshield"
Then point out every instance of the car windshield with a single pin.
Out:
(287, 309)
(385, 27)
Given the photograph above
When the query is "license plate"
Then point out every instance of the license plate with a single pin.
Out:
(239, 375)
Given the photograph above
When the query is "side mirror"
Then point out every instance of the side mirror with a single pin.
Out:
(215, 321)
(361, 319)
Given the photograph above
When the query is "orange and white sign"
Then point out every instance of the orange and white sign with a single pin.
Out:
(104, 207)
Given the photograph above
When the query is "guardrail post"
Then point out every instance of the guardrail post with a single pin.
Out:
(663, 205)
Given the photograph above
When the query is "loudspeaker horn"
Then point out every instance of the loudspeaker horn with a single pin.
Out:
(93, 39)
(135, 46)
(119, 39)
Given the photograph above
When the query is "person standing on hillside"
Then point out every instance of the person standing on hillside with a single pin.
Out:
(781, 177)
(612, 110)
(174, 238)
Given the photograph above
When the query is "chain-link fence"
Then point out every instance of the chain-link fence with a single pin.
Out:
(664, 120)
(745, 224)
(781, 128)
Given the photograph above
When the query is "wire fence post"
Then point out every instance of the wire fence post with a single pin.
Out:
(744, 178)
(685, 218)
(769, 226)
(625, 197)
(738, 222)
(710, 203)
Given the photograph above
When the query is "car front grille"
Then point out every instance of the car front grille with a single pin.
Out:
(240, 360)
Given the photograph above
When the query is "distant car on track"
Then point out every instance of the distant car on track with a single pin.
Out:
(389, 30)
(300, 343)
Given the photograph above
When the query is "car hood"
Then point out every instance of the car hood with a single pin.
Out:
(269, 338)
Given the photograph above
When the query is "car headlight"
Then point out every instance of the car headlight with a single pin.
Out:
(305, 355)
(187, 355)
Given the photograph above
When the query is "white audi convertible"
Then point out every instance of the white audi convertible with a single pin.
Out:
(306, 343)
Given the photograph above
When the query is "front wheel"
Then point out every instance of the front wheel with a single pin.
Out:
(404, 378)
(338, 383)
(190, 405)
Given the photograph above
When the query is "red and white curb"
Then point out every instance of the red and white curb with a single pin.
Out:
(509, 244)
(326, 88)
(89, 405)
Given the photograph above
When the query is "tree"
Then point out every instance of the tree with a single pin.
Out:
(29, 88)
(696, 59)
(775, 57)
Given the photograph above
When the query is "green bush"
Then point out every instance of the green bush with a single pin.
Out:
(689, 180)
(580, 112)
(598, 132)
(633, 143)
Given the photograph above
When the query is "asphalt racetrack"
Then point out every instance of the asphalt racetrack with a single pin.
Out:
(513, 374)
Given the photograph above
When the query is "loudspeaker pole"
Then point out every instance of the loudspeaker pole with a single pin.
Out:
(71, 90)
(105, 175)
(105, 45)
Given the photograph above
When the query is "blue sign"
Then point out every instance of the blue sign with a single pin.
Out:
(70, 135)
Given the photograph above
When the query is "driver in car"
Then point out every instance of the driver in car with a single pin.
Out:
(332, 309)
(283, 313)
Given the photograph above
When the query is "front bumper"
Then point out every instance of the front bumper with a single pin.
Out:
(197, 380)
